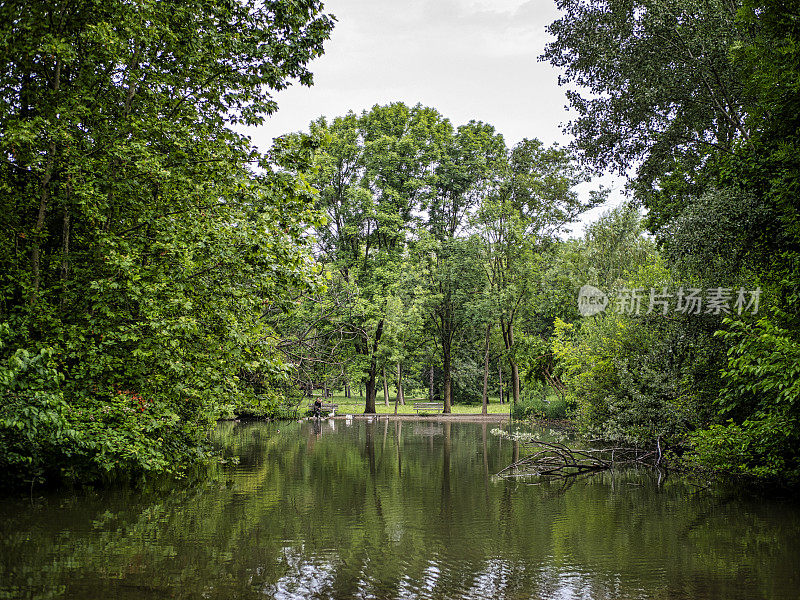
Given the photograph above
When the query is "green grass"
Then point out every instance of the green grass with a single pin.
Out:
(355, 405)
(555, 408)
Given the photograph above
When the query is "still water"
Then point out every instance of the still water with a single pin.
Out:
(398, 510)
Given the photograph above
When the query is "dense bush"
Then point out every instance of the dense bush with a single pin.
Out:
(99, 435)
(638, 378)
(761, 401)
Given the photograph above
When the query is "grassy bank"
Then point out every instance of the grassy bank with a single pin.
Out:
(355, 405)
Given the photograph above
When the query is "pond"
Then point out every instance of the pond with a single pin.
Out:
(398, 510)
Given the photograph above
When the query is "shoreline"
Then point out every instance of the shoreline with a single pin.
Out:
(489, 418)
(465, 417)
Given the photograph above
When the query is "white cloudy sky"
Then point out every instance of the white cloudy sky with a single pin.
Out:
(469, 59)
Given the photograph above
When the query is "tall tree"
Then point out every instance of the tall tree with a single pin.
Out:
(654, 90)
(373, 172)
(450, 273)
(533, 199)
(701, 99)
(138, 245)
(464, 175)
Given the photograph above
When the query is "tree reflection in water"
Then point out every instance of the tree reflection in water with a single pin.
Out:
(397, 510)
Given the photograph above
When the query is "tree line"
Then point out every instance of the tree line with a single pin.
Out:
(441, 244)
(431, 241)
(697, 102)
(157, 271)
(142, 236)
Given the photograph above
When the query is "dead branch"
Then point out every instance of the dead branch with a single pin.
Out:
(551, 459)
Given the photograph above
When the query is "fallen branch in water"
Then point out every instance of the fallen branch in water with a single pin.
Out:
(552, 459)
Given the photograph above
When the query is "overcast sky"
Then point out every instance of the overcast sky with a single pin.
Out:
(469, 59)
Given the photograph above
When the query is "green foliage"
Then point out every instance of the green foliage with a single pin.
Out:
(140, 249)
(615, 246)
(758, 448)
(763, 365)
(97, 437)
(653, 89)
(33, 416)
(533, 199)
(449, 273)
(713, 239)
(371, 173)
(534, 405)
(762, 397)
(700, 98)
(419, 213)
(637, 378)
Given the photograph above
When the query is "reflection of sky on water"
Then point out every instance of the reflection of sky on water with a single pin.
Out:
(311, 578)
(305, 578)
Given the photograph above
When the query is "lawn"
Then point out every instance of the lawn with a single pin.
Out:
(355, 405)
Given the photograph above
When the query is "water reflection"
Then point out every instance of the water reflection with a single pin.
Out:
(340, 509)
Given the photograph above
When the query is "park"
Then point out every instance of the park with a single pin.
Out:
(439, 299)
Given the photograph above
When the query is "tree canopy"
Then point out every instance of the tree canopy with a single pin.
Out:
(143, 236)
(699, 101)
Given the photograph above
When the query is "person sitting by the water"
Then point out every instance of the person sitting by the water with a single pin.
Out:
(317, 411)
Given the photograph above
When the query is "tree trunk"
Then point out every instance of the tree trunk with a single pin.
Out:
(514, 381)
(508, 338)
(65, 255)
(447, 381)
(347, 389)
(372, 374)
(385, 388)
(500, 375)
(44, 197)
(430, 385)
(372, 380)
(485, 398)
(400, 395)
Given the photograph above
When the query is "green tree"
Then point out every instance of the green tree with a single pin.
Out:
(450, 271)
(759, 405)
(469, 160)
(139, 248)
(372, 173)
(701, 98)
(654, 90)
(532, 199)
